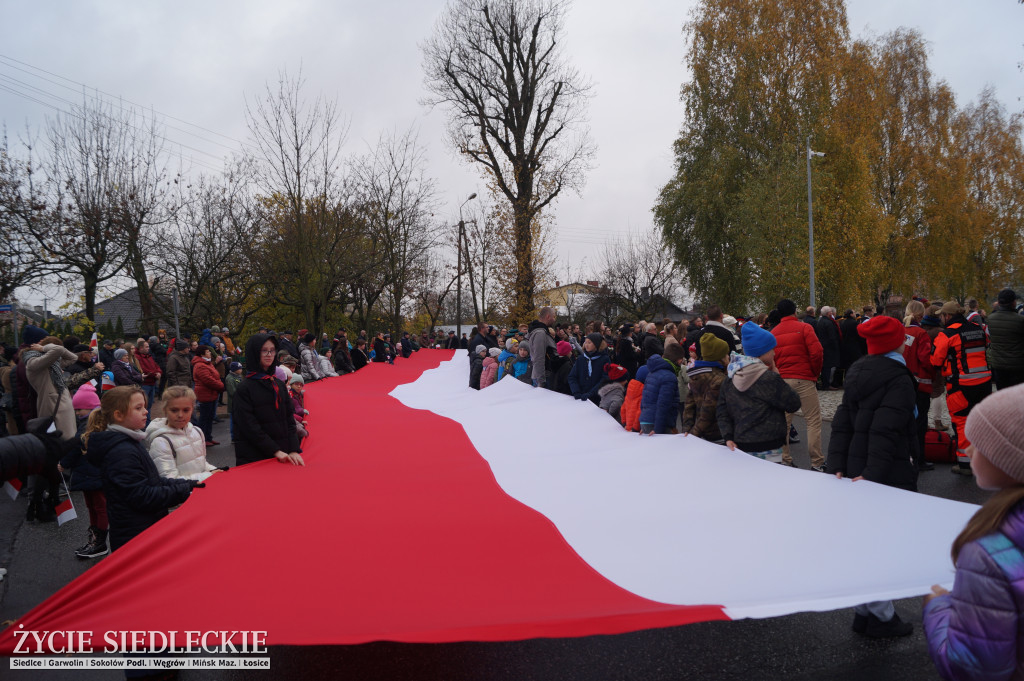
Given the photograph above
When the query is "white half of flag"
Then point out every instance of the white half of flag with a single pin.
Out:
(683, 521)
(66, 509)
(12, 487)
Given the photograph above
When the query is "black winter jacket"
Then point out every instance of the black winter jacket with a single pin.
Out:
(264, 418)
(1006, 331)
(755, 418)
(874, 433)
(652, 345)
(852, 346)
(137, 497)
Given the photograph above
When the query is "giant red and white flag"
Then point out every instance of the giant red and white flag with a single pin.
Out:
(429, 512)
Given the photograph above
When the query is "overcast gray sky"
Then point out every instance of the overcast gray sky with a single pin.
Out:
(197, 61)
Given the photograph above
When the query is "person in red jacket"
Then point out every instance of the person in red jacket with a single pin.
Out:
(150, 376)
(208, 390)
(798, 357)
(917, 351)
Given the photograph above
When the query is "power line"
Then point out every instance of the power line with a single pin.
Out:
(83, 85)
(56, 108)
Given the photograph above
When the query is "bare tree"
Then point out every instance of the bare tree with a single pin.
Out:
(434, 285)
(202, 252)
(397, 200)
(82, 235)
(21, 208)
(636, 278)
(306, 250)
(515, 106)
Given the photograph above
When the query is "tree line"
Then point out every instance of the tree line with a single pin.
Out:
(915, 195)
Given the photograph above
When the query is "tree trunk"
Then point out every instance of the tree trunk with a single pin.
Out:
(89, 287)
(524, 260)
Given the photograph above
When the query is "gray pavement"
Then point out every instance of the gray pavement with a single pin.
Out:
(806, 646)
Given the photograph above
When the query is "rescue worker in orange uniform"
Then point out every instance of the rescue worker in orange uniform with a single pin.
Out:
(960, 352)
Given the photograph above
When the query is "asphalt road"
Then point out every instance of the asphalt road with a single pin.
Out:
(806, 646)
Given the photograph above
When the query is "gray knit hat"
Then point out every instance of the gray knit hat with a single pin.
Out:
(119, 353)
(479, 349)
(996, 429)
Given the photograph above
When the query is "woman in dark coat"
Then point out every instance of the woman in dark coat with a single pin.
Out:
(625, 352)
(262, 409)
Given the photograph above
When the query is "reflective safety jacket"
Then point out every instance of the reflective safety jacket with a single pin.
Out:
(960, 351)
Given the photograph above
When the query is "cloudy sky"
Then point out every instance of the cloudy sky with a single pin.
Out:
(199, 61)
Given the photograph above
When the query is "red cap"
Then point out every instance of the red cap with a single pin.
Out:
(883, 334)
(615, 371)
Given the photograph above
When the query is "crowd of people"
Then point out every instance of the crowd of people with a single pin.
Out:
(86, 416)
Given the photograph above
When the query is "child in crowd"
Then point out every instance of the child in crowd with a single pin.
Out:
(559, 367)
(231, 382)
(659, 404)
(588, 372)
(754, 401)
(137, 497)
(296, 390)
(490, 368)
(476, 366)
(511, 350)
(630, 411)
(613, 392)
(176, 446)
(359, 356)
(520, 367)
(86, 478)
(974, 632)
(705, 382)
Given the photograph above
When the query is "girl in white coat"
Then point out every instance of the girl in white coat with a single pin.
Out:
(177, 447)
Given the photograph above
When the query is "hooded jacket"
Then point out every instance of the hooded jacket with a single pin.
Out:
(488, 372)
(208, 383)
(701, 407)
(660, 402)
(137, 497)
(178, 453)
(974, 631)
(874, 431)
(612, 396)
(630, 410)
(263, 417)
(752, 405)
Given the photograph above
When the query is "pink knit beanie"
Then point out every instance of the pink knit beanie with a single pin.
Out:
(85, 398)
(996, 429)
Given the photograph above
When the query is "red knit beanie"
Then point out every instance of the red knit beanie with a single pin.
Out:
(615, 371)
(883, 334)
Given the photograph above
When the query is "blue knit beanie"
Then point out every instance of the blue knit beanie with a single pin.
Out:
(756, 341)
(31, 335)
(641, 374)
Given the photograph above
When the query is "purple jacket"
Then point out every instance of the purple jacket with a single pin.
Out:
(973, 633)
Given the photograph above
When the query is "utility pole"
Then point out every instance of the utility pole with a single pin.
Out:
(810, 216)
(458, 294)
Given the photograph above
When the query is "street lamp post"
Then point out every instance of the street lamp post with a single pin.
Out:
(458, 274)
(810, 215)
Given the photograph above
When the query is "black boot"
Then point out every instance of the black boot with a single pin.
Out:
(30, 514)
(95, 548)
(876, 628)
(90, 541)
(45, 512)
